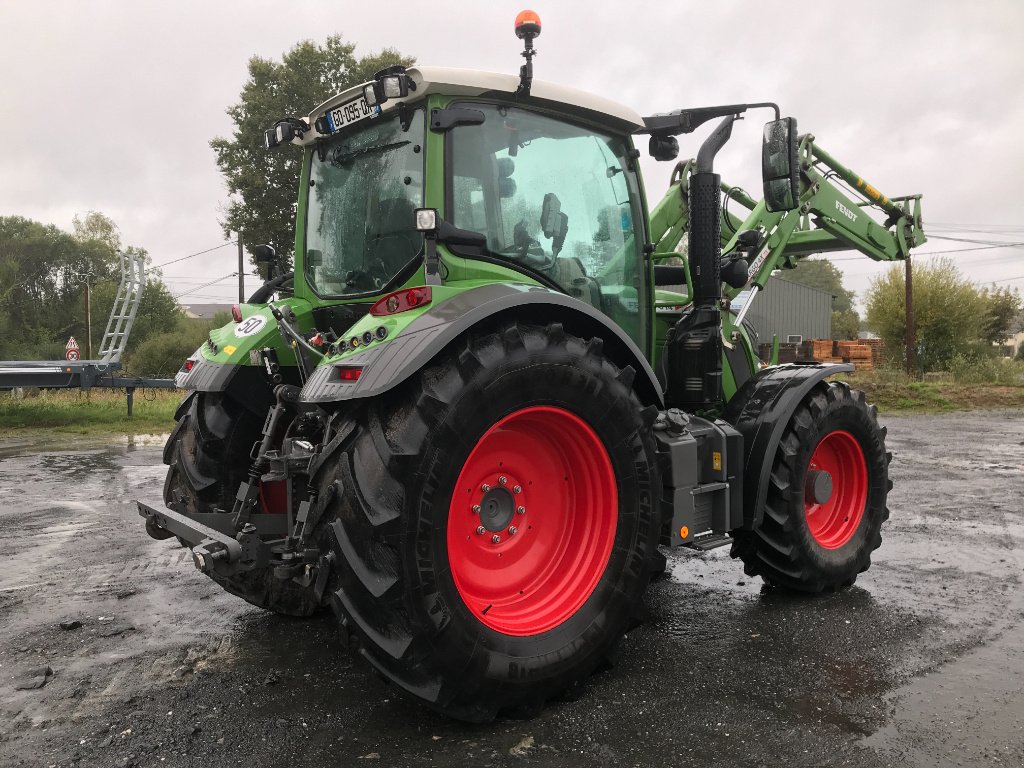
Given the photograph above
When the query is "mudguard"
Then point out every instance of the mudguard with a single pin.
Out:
(760, 411)
(387, 365)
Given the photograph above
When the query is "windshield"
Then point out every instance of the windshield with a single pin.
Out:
(556, 197)
(364, 187)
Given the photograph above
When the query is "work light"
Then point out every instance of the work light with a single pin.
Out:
(426, 219)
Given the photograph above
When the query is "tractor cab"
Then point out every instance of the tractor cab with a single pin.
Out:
(539, 188)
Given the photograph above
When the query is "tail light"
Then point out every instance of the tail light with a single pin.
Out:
(236, 313)
(401, 301)
(188, 365)
(349, 372)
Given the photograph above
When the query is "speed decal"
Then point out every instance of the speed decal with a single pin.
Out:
(250, 326)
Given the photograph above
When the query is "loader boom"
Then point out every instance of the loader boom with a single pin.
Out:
(828, 219)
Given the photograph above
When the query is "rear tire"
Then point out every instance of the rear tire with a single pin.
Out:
(208, 453)
(470, 626)
(806, 543)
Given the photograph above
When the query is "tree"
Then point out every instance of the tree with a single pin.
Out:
(825, 276)
(264, 183)
(1001, 319)
(949, 312)
(42, 274)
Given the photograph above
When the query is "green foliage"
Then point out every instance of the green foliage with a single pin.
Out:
(263, 183)
(163, 353)
(43, 271)
(986, 369)
(845, 325)
(1001, 313)
(948, 312)
(825, 276)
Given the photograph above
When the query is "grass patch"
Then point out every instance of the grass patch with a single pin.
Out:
(894, 391)
(101, 411)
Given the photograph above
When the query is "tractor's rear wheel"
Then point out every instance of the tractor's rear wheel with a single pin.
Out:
(495, 522)
(208, 457)
(827, 496)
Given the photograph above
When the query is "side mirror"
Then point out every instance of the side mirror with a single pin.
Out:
(266, 260)
(780, 171)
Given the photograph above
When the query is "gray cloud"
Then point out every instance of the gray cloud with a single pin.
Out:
(110, 105)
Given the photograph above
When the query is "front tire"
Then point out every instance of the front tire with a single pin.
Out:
(471, 623)
(827, 496)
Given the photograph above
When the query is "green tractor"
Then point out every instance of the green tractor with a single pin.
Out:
(494, 390)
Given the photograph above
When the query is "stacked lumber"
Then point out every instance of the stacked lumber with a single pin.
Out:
(861, 355)
(866, 354)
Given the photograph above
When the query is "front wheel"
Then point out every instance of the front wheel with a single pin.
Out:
(827, 496)
(495, 522)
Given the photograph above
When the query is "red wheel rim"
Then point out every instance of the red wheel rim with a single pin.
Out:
(529, 572)
(834, 522)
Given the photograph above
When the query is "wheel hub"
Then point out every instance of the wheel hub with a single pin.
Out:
(835, 489)
(497, 508)
(818, 488)
(532, 520)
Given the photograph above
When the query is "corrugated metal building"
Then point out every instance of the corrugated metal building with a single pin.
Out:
(789, 309)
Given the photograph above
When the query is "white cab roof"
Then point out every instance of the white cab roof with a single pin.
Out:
(471, 82)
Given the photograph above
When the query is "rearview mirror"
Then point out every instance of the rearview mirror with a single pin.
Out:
(266, 259)
(780, 171)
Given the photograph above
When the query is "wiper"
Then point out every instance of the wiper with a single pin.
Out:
(344, 158)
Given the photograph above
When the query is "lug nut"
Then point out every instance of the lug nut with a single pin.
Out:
(521, 510)
(512, 530)
(476, 509)
(502, 480)
(495, 539)
(480, 529)
(485, 487)
(517, 489)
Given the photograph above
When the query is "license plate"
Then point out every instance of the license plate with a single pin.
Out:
(349, 113)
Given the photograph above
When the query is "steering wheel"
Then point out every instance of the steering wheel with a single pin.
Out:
(529, 250)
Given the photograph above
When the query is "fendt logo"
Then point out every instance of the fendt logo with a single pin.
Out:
(846, 211)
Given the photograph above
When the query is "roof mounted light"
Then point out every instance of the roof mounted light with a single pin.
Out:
(527, 25)
(527, 28)
(390, 83)
(283, 131)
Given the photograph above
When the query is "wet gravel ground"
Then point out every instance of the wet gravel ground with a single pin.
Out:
(115, 651)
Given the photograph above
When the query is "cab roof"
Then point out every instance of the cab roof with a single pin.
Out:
(471, 82)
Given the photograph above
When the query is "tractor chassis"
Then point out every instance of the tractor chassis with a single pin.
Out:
(702, 500)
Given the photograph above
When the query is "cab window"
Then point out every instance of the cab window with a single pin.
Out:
(557, 199)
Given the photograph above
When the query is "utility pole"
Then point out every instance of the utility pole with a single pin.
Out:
(241, 270)
(88, 321)
(911, 338)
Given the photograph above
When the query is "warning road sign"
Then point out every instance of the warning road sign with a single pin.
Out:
(72, 344)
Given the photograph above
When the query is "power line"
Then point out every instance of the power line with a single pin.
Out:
(967, 240)
(936, 253)
(205, 285)
(194, 280)
(193, 255)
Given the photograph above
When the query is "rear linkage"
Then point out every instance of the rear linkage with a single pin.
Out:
(248, 539)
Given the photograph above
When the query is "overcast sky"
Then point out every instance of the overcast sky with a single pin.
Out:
(110, 106)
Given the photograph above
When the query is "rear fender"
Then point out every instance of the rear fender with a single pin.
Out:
(389, 364)
(760, 411)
